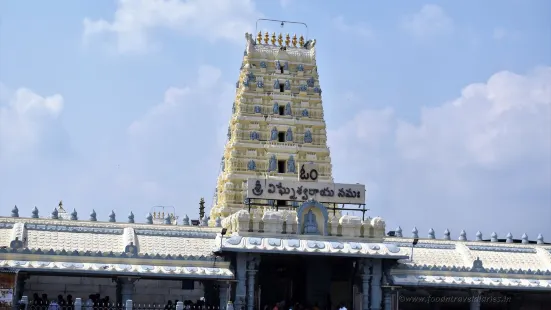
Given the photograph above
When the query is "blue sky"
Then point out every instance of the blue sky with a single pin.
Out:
(442, 109)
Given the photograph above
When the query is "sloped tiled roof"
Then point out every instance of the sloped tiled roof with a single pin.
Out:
(473, 264)
(106, 238)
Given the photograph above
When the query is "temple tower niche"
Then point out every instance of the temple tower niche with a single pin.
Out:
(277, 121)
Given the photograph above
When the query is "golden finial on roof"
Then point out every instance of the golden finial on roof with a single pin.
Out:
(294, 40)
(287, 40)
(280, 39)
(273, 38)
(60, 205)
(266, 37)
(259, 37)
(301, 41)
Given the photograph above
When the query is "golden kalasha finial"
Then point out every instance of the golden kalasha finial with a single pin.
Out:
(287, 40)
(280, 40)
(294, 40)
(266, 37)
(273, 38)
(259, 37)
(301, 41)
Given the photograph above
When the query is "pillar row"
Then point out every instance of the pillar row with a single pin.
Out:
(127, 287)
(251, 276)
(241, 288)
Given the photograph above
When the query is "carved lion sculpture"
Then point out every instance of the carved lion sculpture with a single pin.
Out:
(250, 43)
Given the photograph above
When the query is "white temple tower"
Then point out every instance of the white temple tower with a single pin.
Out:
(277, 121)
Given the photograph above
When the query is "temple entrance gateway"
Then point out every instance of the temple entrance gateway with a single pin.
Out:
(310, 280)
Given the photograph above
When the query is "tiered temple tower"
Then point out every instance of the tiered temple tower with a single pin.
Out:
(277, 121)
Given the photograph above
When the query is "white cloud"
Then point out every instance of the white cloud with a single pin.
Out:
(25, 119)
(431, 20)
(180, 137)
(134, 21)
(356, 29)
(479, 162)
(168, 156)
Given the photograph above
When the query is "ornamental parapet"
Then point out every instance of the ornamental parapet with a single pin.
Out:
(274, 222)
(431, 235)
(280, 46)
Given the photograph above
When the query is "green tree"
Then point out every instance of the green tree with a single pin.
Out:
(201, 208)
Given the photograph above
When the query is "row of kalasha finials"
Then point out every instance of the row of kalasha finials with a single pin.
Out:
(279, 39)
(463, 236)
(169, 219)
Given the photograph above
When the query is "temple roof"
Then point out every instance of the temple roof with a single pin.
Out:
(473, 264)
(110, 247)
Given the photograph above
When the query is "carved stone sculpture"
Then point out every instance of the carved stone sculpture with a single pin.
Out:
(273, 163)
(15, 212)
(310, 223)
(74, 215)
(35, 213)
(291, 167)
(55, 214)
(93, 217)
(112, 216)
(289, 135)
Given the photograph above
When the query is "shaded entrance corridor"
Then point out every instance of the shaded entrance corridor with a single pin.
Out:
(309, 280)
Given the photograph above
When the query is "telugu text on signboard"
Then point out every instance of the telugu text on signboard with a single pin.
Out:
(303, 191)
(308, 173)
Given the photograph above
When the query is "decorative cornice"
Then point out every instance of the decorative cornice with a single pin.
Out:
(106, 254)
(7, 224)
(124, 269)
(491, 282)
(438, 246)
(501, 249)
(75, 229)
(175, 233)
(470, 269)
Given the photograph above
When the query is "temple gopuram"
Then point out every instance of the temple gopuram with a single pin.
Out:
(281, 231)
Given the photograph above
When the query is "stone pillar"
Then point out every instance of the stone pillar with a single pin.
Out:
(20, 289)
(223, 295)
(127, 288)
(240, 289)
(78, 303)
(388, 298)
(253, 261)
(475, 300)
(376, 278)
(25, 302)
(366, 275)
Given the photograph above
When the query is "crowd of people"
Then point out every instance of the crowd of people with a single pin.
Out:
(96, 302)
